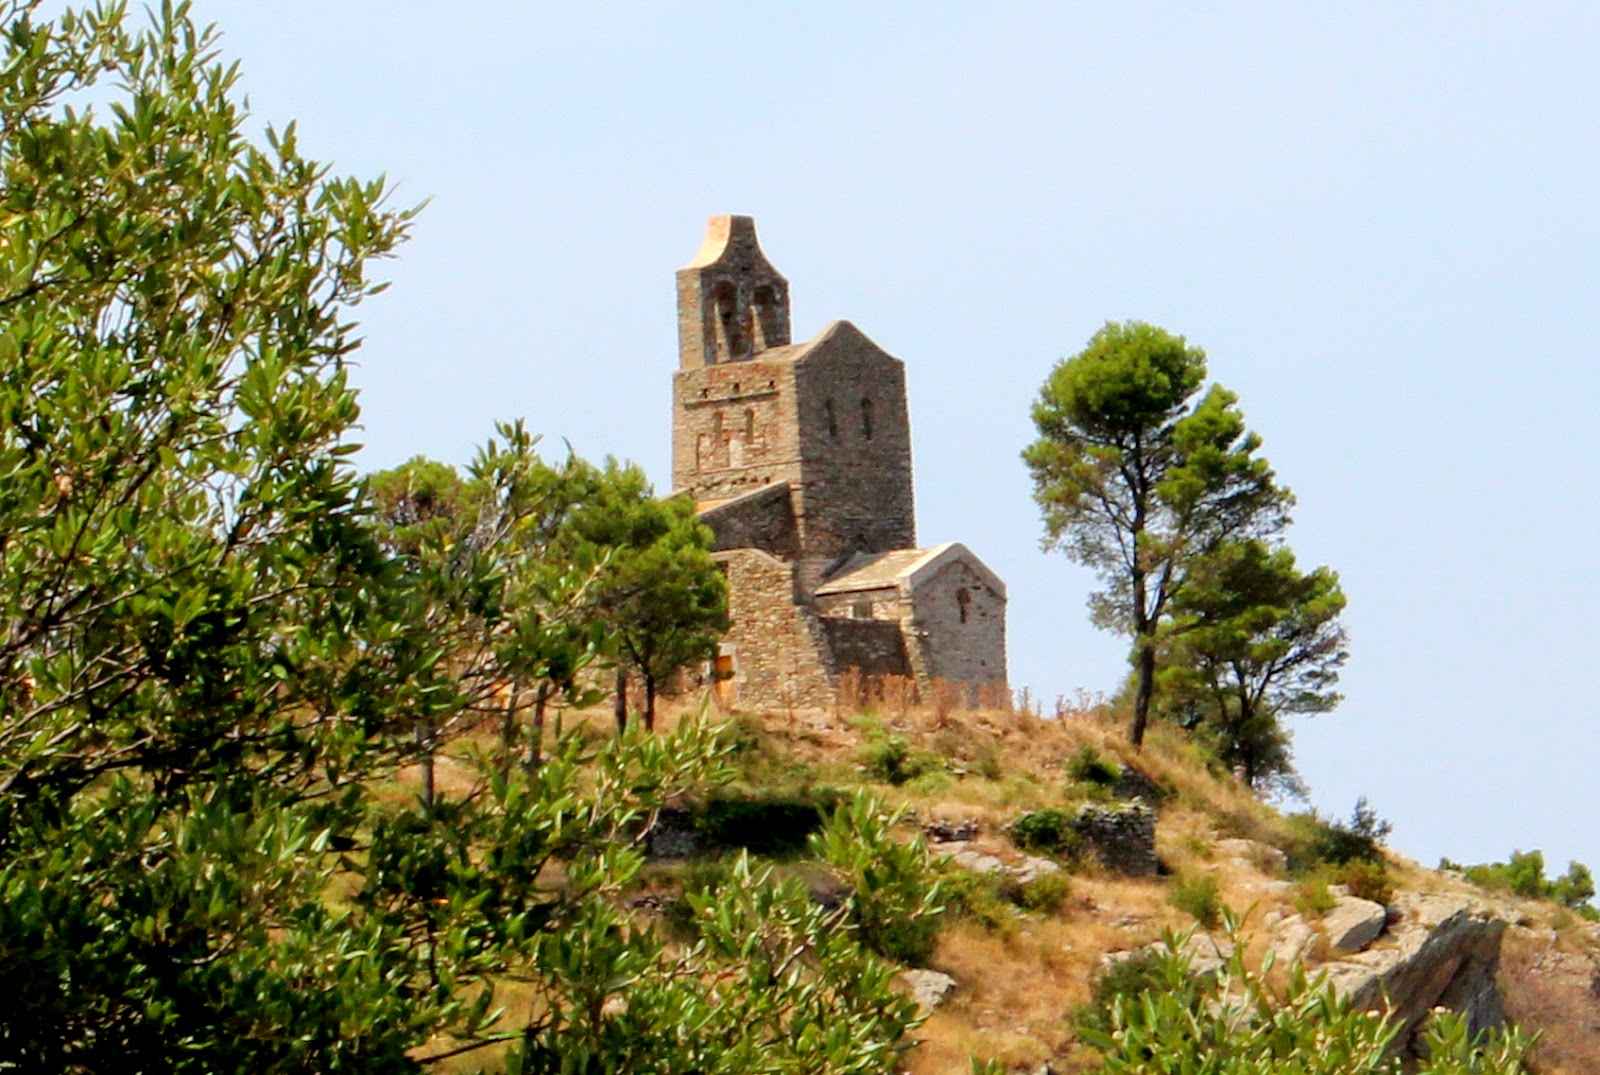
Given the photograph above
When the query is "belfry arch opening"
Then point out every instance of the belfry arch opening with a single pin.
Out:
(732, 339)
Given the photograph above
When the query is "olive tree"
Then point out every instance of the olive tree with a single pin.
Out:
(213, 661)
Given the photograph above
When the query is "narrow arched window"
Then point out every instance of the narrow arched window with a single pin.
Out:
(866, 418)
(749, 424)
(963, 603)
(833, 420)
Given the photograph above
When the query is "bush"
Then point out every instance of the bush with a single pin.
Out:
(1047, 832)
(1089, 767)
(1045, 894)
(1312, 898)
(1366, 880)
(1315, 842)
(1198, 897)
(892, 760)
(896, 901)
(984, 898)
(776, 825)
(1523, 875)
(1149, 970)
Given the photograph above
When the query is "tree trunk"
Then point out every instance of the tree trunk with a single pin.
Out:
(536, 747)
(1146, 667)
(649, 702)
(621, 705)
(508, 729)
(425, 741)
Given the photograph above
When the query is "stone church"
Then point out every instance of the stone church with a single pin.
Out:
(798, 456)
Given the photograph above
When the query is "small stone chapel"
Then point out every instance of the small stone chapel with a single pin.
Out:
(798, 456)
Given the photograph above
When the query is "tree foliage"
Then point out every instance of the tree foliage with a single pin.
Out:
(1252, 640)
(1138, 475)
(662, 595)
(215, 656)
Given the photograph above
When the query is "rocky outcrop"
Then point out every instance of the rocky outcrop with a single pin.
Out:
(1443, 951)
(1353, 924)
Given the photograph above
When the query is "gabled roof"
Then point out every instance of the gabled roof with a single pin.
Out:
(833, 332)
(704, 508)
(905, 569)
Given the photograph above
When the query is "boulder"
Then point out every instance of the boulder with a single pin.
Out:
(1353, 924)
(928, 988)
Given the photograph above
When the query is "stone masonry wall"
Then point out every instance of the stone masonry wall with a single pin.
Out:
(734, 428)
(855, 443)
(764, 520)
(778, 647)
(871, 647)
(959, 626)
(880, 604)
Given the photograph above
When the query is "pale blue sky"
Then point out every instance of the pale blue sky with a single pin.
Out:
(1379, 220)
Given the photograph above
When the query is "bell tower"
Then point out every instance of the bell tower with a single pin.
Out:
(732, 303)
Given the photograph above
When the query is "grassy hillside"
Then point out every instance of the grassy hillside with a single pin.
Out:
(1027, 952)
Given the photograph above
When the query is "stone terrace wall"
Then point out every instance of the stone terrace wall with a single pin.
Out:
(779, 650)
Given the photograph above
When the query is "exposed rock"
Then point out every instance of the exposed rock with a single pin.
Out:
(928, 988)
(969, 858)
(945, 830)
(1444, 953)
(1123, 838)
(1292, 939)
(1030, 869)
(1033, 868)
(1264, 857)
(1353, 923)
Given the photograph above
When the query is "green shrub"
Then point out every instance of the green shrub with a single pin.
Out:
(987, 762)
(983, 898)
(769, 825)
(1366, 879)
(1312, 898)
(1045, 894)
(1523, 875)
(896, 900)
(892, 760)
(1047, 832)
(1089, 767)
(1149, 970)
(1198, 897)
(1315, 841)
(930, 783)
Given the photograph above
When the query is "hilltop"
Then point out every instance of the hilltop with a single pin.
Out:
(1042, 904)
